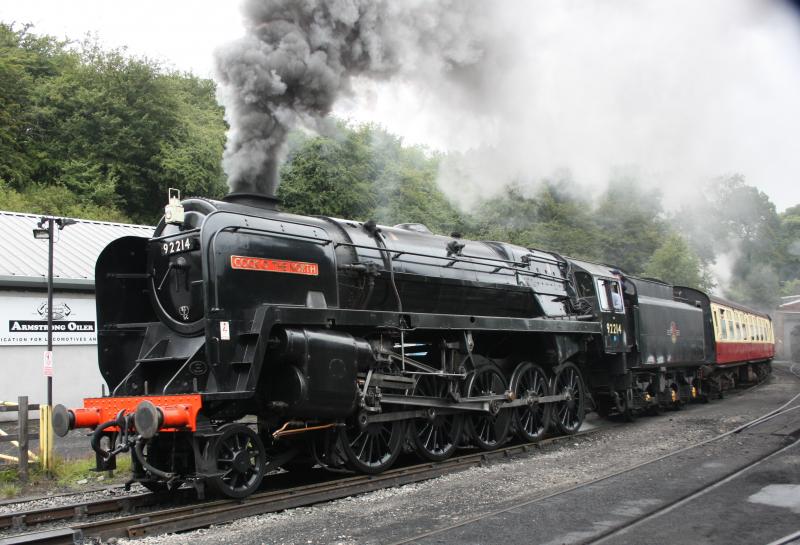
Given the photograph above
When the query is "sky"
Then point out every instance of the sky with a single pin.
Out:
(676, 91)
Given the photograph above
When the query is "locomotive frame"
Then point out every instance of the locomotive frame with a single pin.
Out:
(350, 342)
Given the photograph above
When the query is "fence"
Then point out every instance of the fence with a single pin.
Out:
(23, 435)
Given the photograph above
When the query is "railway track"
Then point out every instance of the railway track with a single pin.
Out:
(790, 406)
(608, 535)
(195, 515)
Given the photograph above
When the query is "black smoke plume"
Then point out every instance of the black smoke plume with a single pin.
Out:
(298, 56)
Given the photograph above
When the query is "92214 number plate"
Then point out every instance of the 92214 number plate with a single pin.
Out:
(179, 245)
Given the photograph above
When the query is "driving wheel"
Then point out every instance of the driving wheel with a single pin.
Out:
(531, 421)
(371, 448)
(435, 436)
(568, 414)
(488, 430)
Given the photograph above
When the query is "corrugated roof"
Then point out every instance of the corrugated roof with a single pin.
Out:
(790, 304)
(23, 259)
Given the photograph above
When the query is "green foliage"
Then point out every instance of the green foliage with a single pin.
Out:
(789, 265)
(630, 223)
(623, 229)
(792, 287)
(57, 201)
(676, 263)
(733, 219)
(111, 130)
(551, 217)
(67, 474)
(26, 60)
(364, 173)
(9, 490)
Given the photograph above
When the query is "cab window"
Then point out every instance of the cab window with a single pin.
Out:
(584, 284)
(610, 295)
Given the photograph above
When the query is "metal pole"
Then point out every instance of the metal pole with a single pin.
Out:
(50, 231)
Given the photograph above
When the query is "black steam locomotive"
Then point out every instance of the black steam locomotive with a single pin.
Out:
(239, 339)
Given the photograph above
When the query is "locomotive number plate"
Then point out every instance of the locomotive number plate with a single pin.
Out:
(274, 265)
(186, 244)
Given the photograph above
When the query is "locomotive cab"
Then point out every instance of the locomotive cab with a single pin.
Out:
(601, 289)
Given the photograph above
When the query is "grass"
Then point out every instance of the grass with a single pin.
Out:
(9, 482)
(66, 474)
(9, 490)
(70, 472)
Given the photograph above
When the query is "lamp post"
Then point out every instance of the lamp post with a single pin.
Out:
(41, 233)
(45, 427)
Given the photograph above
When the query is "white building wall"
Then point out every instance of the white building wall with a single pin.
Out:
(75, 371)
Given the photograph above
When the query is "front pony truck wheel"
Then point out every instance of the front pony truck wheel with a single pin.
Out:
(239, 457)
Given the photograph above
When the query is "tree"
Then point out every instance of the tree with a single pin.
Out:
(630, 223)
(789, 267)
(734, 220)
(25, 61)
(106, 132)
(676, 263)
(550, 216)
(364, 173)
(748, 224)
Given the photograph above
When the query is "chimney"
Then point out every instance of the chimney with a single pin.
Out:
(256, 200)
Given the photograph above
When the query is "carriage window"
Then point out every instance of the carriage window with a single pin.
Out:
(610, 295)
(724, 325)
(715, 316)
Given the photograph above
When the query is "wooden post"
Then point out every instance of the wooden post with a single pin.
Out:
(22, 435)
(46, 438)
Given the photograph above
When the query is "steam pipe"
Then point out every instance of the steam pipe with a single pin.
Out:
(138, 449)
(97, 435)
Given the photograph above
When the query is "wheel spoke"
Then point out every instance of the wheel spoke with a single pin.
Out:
(428, 437)
(366, 439)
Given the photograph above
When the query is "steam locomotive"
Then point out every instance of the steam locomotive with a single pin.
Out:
(239, 339)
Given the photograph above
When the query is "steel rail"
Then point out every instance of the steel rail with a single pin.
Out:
(613, 530)
(190, 516)
(707, 487)
(79, 511)
(203, 514)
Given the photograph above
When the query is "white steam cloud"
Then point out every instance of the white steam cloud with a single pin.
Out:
(680, 91)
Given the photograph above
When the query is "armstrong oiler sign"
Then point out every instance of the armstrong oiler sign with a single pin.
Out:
(23, 321)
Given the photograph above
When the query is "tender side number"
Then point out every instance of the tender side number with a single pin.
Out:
(177, 246)
(614, 328)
